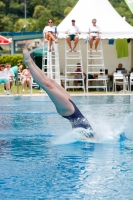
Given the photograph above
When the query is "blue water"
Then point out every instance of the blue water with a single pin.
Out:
(42, 158)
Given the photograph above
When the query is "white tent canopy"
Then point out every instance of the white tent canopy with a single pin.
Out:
(112, 25)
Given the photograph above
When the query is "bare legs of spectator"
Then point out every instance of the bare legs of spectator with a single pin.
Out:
(69, 42)
(26, 81)
(76, 39)
(96, 42)
(11, 82)
(76, 84)
(7, 86)
(50, 37)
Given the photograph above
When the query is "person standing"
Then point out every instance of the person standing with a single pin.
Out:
(50, 33)
(72, 32)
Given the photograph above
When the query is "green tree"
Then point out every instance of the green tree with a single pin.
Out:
(67, 11)
(32, 4)
(43, 19)
(2, 7)
(57, 7)
(16, 7)
(18, 25)
(38, 11)
(5, 24)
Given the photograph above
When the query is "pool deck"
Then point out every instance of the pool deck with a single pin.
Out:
(95, 93)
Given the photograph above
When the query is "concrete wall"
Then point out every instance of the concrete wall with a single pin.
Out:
(110, 55)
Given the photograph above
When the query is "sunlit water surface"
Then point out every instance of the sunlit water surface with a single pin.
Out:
(42, 158)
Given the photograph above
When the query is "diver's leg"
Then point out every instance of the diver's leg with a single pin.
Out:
(46, 77)
(62, 103)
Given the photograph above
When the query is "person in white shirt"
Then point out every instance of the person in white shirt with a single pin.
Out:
(10, 74)
(50, 33)
(94, 31)
(72, 32)
(4, 77)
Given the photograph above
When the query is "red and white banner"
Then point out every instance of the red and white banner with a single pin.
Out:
(4, 40)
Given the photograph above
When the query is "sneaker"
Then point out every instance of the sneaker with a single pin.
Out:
(7, 92)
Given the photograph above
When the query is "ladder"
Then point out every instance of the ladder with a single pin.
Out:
(71, 60)
(50, 62)
(95, 66)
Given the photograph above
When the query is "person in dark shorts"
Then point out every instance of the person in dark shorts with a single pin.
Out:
(72, 32)
(60, 97)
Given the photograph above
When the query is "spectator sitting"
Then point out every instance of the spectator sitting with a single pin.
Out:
(94, 31)
(120, 65)
(72, 35)
(50, 32)
(26, 75)
(10, 74)
(62, 78)
(120, 87)
(20, 67)
(78, 75)
(15, 70)
(4, 78)
(131, 70)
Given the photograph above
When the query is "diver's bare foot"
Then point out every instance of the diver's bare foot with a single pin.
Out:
(26, 55)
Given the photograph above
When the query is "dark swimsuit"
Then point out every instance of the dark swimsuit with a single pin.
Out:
(78, 120)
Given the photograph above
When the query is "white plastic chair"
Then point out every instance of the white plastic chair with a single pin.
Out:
(130, 81)
(33, 84)
(104, 79)
(119, 79)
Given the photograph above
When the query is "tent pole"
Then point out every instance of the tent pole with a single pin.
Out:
(131, 52)
(12, 47)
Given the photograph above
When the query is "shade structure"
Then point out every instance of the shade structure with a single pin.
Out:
(111, 23)
(39, 51)
(4, 40)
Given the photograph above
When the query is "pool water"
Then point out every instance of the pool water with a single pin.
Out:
(41, 157)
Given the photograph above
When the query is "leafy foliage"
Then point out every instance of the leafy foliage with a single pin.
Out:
(122, 8)
(38, 12)
(12, 59)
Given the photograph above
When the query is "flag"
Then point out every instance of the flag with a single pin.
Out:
(130, 4)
